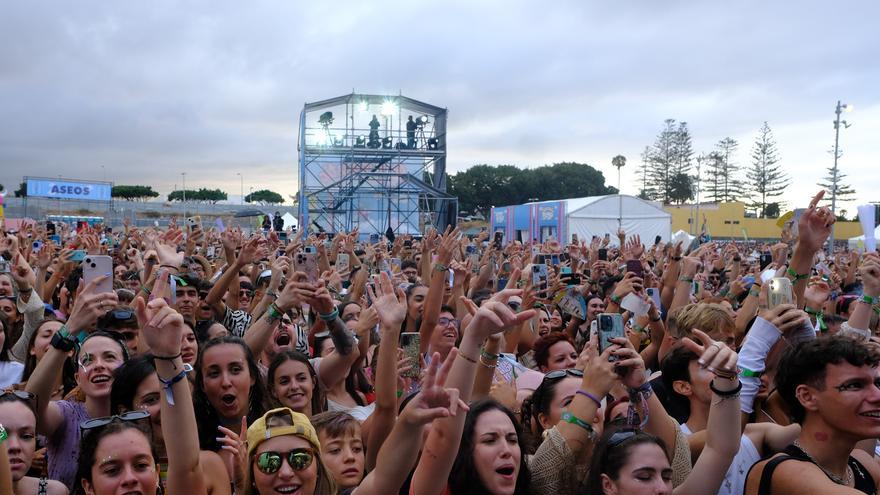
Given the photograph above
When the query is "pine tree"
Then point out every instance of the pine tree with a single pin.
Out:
(684, 150)
(845, 192)
(663, 162)
(766, 178)
(725, 184)
(645, 192)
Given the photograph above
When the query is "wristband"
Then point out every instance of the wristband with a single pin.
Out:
(62, 341)
(590, 396)
(3, 434)
(638, 328)
(484, 363)
(655, 320)
(467, 358)
(725, 393)
(274, 313)
(795, 276)
(168, 358)
(686, 279)
(167, 384)
(868, 300)
(170, 266)
(272, 294)
(440, 267)
(820, 318)
(615, 299)
(747, 373)
(574, 420)
(329, 316)
(146, 290)
(488, 355)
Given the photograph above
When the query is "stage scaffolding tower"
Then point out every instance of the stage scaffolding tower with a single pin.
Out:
(354, 173)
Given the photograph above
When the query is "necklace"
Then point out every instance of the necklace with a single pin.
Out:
(837, 479)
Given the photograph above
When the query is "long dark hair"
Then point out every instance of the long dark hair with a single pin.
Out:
(609, 457)
(126, 379)
(538, 403)
(4, 351)
(319, 401)
(208, 419)
(464, 477)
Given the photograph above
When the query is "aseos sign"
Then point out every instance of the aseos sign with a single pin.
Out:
(68, 189)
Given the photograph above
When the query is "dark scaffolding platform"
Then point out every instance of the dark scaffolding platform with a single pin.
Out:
(354, 173)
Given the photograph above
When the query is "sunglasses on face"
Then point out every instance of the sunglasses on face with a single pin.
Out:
(298, 459)
(91, 424)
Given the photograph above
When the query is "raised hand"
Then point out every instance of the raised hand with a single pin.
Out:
(714, 356)
(233, 451)
(785, 317)
(90, 305)
(494, 316)
(814, 225)
(166, 248)
(870, 271)
(161, 326)
(434, 401)
(629, 364)
(389, 302)
(296, 291)
(23, 274)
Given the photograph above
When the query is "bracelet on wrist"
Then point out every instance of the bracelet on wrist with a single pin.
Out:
(329, 316)
(591, 397)
(168, 358)
(167, 384)
(725, 393)
(747, 373)
(440, 267)
(868, 300)
(686, 279)
(466, 358)
(3, 434)
(574, 420)
(488, 355)
(483, 362)
(615, 299)
(795, 276)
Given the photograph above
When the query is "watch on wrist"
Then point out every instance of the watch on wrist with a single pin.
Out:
(62, 342)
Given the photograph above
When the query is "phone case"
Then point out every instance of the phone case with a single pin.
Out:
(610, 326)
(308, 264)
(539, 276)
(342, 262)
(95, 266)
(779, 292)
(410, 342)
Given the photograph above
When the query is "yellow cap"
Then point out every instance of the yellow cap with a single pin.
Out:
(299, 426)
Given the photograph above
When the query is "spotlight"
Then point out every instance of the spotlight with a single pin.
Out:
(326, 119)
(432, 143)
(389, 108)
(363, 106)
(423, 119)
(360, 142)
(386, 143)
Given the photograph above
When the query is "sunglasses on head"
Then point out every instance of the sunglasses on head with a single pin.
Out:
(21, 394)
(621, 436)
(122, 314)
(557, 374)
(298, 459)
(91, 424)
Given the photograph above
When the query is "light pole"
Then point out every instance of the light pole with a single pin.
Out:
(697, 225)
(837, 111)
(619, 161)
(183, 178)
(242, 186)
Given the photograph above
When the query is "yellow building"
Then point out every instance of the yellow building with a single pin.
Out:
(728, 220)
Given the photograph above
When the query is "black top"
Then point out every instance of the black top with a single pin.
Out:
(863, 480)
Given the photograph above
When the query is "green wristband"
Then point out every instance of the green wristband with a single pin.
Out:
(747, 373)
(795, 276)
(574, 420)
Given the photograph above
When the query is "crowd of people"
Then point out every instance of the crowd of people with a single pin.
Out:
(203, 361)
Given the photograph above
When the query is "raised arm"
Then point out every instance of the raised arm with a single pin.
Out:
(260, 333)
(162, 328)
(860, 319)
(390, 305)
(723, 429)
(441, 448)
(335, 367)
(437, 287)
(215, 297)
(814, 227)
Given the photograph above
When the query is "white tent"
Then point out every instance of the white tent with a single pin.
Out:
(598, 215)
(290, 221)
(854, 241)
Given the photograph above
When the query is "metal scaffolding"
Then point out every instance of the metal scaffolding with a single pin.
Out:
(383, 166)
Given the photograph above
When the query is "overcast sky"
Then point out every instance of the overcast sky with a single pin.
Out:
(148, 90)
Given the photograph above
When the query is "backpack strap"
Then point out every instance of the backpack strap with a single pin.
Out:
(767, 473)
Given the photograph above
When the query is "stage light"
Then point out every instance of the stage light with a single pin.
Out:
(321, 139)
(363, 106)
(423, 119)
(387, 143)
(389, 108)
(432, 143)
(361, 142)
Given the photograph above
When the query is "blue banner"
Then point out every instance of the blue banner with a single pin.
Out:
(67, 189)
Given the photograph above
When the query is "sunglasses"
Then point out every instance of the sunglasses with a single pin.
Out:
(557, 374)
(621, 436)
(91, 424)
(298, 459)
(21, 395)
(122, 314)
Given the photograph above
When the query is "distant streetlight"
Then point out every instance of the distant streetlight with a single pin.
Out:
(242, 186)
(183, 177)
(837, 111)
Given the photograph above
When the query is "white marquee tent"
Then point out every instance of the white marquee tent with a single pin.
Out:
(598, 215)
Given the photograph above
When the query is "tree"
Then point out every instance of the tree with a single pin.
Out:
(645, 192)
(264, 196)
(210, 195)
(681, 188)
(772, 210)
(766, 178)
(21, 192)
(133, 193)
(180, 194)
(834, 182)
(663, 161)
(683, 150)
(725, 184)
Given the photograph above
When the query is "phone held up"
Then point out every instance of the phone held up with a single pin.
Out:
(610, 326)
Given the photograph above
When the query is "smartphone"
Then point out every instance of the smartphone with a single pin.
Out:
(766, 259)
(210, 251)
(342, 263)
(78, 255)
(779, 292)
(395, 265)
(410, 342)
(603, 254)
(657, 240)
(635, 266)
(282, 236)
(574, 238)
(610, 326)
(97, 265)
(502, 283)
(307, 263)
(407, 244)
(554, 259)
(37, 246)
(539, 277)
(497, 240)
(310, 250)
(4, 265)
(195, 223)
(654, 294)
(56, 239)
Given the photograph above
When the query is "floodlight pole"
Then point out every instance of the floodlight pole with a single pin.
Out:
(837, 111)
(619, 161)
(183, 176)
(241, 190)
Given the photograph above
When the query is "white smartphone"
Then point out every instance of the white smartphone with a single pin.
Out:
(95, 266)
